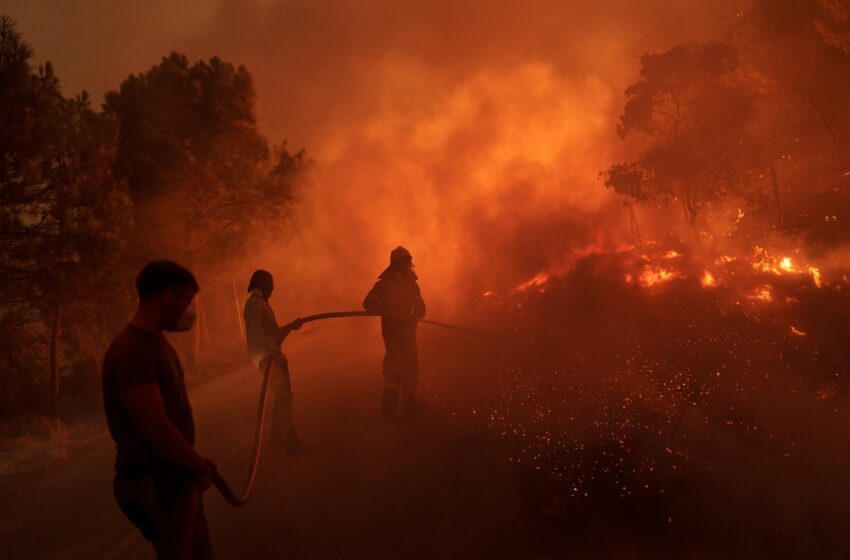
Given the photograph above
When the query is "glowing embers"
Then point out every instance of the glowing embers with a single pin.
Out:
(757, 277)
(607, 409)
(656, 270)
(762, 261)
(816, 277)
(654, 275)
(537, 283)
(763, 293)
(588, 432)
(825, 394)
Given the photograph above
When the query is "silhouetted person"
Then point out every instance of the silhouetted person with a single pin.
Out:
(158, 475)
(397, 299)
(264, 339)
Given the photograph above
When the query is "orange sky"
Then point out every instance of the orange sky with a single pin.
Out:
(308, 56)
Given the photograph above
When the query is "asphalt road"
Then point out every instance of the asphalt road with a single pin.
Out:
(438, 486)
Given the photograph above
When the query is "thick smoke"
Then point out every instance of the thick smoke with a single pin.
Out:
(471, 132)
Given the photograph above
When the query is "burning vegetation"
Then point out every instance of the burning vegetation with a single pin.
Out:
(674, 363)
(693, 385)
(641, 393)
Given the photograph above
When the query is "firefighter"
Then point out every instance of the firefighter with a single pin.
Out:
(158, 474)
(397, 299)
(265, 337)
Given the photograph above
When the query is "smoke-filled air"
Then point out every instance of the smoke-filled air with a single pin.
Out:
(533, 280)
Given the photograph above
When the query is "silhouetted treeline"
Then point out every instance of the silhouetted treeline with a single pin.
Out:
(758, 121)
(171, 166)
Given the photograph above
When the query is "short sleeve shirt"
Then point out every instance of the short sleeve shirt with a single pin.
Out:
(140, 357)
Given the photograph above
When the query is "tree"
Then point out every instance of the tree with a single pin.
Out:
(83, 229)
(199, 170)
(792, 49)
(172, 166)
(692, 114)
(204, 181)
(795, 60)
(62, 208)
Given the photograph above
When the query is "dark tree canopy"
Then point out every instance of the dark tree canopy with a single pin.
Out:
(203, 178)
(172, 166)
(63, 214)
(693, 115)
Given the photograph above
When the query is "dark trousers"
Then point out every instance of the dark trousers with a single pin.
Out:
(167, 507)
(401, 370)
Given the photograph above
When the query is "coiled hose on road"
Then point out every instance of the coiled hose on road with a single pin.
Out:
(221, 485)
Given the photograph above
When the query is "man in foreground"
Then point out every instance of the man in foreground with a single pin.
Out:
(159, 477)
(397, 299)
(264, 338)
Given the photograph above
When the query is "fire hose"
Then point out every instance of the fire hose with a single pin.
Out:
(221, 485)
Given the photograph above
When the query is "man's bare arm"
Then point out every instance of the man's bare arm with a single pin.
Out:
(144, 403)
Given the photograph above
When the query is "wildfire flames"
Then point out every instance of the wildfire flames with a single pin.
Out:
(644, 204)
(537, 282)
(652, 276)
(718, 320)
(651, 272)
(762, 294)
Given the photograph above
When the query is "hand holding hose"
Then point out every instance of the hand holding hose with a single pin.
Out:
(204, 478)
(284, 331)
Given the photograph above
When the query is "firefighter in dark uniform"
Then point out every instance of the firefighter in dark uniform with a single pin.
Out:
(397, 299)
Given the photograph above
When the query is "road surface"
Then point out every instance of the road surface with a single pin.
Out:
(438, 486)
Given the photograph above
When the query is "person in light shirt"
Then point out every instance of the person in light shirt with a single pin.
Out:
(264, 337)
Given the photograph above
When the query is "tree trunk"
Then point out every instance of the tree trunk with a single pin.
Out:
(54, 361)
(637, 240)
(238, 310)
(825, 113)
(774, 180)
(691, 213)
